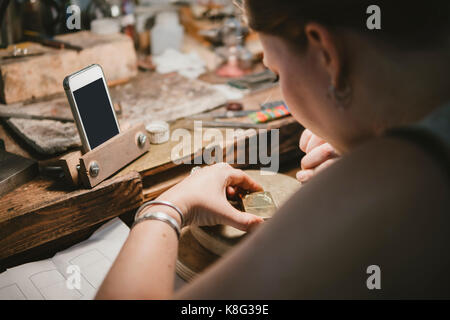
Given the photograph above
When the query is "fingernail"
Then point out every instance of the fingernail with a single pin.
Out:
(300, 176)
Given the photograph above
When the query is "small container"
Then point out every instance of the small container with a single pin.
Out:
(105, 26)
(167, 33)
(158, 131)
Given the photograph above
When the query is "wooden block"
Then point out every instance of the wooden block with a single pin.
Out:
(39, 76)
(43, 210)
(113, 155)
(69, 164)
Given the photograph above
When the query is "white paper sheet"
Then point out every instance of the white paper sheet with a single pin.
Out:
(73, 274)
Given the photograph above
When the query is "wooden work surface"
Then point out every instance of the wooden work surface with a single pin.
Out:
(44, 211)
(159, 172)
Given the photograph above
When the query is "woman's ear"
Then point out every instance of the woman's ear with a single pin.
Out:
(326, 45)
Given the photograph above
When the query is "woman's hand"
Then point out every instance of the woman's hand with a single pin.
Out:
(319, 155)
(202, 197)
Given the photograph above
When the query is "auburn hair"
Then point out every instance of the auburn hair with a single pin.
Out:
(403, 23)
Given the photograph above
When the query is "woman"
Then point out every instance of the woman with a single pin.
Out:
(381, 99)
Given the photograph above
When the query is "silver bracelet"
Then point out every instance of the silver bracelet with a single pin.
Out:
(164, 203)
(160, 216)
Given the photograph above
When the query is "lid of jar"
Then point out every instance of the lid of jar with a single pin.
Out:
(167, 17)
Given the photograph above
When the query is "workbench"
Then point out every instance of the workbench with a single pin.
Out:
(45, 215)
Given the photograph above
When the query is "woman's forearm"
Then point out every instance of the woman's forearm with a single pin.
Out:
(145, 267)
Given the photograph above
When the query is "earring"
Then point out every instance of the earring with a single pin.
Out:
(276, 79)
(341, 97)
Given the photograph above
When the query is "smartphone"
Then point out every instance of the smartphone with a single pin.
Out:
(91, 106)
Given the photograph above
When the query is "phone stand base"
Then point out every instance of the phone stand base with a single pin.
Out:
(93, 167)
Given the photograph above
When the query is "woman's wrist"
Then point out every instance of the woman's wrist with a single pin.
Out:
(163, 208)
(180, 203)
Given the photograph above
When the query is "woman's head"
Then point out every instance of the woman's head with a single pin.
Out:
(342, 80)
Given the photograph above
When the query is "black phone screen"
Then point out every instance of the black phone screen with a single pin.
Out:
(96, 113)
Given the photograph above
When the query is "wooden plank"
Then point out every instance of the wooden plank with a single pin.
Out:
(113, 155)
(157, 182)
(43, 210)
(48, 249)
(39, 76)
(159, 158)
(162, 181)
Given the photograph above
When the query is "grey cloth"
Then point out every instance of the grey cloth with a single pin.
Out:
(432, 133)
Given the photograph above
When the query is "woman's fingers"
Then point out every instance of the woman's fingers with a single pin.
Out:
(324, 165)
(241, 220)
(309, 141)
(304, 139)
(317, 156)
(238, 178)
(304, 175)
(231, 192)
(314, 142)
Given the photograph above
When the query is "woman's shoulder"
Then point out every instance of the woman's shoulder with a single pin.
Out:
(386, 203)
(387, 177)
(399, 170)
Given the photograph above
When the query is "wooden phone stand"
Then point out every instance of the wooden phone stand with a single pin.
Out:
(100, 163)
